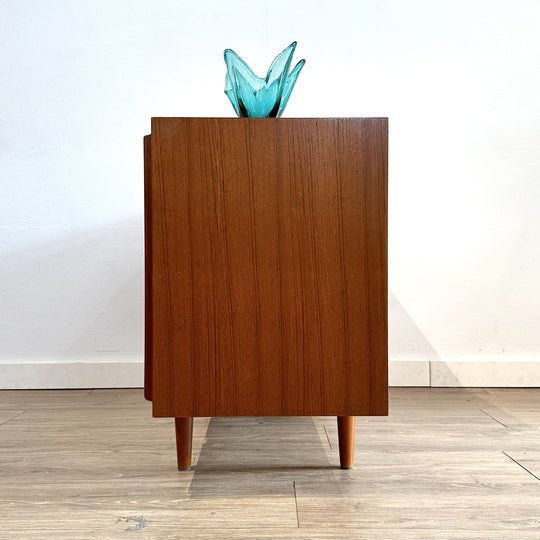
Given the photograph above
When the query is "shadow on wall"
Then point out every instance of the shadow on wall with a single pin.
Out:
(405, 339)
(72, 292)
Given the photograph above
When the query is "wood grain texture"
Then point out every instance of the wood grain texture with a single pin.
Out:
(269, 266)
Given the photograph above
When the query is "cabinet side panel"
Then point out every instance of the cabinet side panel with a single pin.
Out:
(260, 145)
(375, 142)
(226, 305)
(172, 283)
(333, 182)
(147, 269)
(238, 153)
(206, 267)
(269, 266)
(302, 332)
(292, 302)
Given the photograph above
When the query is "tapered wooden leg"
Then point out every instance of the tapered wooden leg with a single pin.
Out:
(346, 440)
(184, 439)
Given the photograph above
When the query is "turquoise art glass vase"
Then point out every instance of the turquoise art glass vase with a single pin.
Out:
(257, 97)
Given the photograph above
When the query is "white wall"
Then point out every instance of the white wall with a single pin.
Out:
(459, 80)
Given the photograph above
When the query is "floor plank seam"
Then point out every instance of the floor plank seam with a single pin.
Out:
(493, 418)
(12, 418)
(296, 504)
(522, 466)
(328, 437)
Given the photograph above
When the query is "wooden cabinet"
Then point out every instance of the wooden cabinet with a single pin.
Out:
(266, 270)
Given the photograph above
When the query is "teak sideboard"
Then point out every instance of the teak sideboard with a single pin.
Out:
(266, 270)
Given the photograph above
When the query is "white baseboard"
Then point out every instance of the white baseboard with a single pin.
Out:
(466, 372)
(514, 373)
(408, 373)
(48, 375)
(129, 373)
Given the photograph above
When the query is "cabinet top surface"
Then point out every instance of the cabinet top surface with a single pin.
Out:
(296, 119)
(276, 123)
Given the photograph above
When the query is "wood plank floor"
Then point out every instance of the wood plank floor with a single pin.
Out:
(446, 464)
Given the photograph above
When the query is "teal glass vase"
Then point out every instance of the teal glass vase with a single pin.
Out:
(257, 97)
